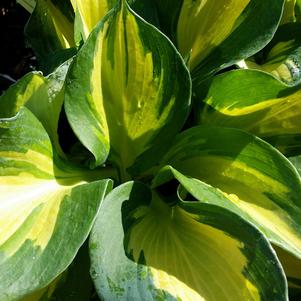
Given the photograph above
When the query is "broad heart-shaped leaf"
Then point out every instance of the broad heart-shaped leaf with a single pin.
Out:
(179, 250)
(215, 34)
(50, 32)
(262, 184)
(88, 13)
(73, 284)
(282, 56)
(190, 190)
(43, 96)
(46, 208)
(128, 89)
(257, 102)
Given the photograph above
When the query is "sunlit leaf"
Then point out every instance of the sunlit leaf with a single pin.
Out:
(50, 32)
(128, 91)
(29, 5)
(282, 56)
(43, 96)
(89, 13)
(296, 161)
(258, 181)
(215, 34)
(47, 208)
(179, 250)
(288, 15)
(256, 102)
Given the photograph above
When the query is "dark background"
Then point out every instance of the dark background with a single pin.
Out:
(16, 59)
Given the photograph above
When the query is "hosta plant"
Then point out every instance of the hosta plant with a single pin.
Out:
(154, 152)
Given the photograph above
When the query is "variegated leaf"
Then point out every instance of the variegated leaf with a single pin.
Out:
(167, 249)
(128, 91)
(256, 102)
(47, 208)
(43, 96)
(292, 268)
(73, 284)
(215, 34)
(282, 56)
(88, 13)
(260, 184)
(50, 33)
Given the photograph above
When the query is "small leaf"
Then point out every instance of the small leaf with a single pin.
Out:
(288, 15)
(43, 96)
(296, 161)
(73, 284)
(282, 56)
(185, 251)
(50, 32)
(292, 268)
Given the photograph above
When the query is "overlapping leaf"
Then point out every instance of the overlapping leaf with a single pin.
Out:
(127, 94)
(50, 32)
(46, 209)
(179, 250)
(281, 57)
(258, 181)
(215, 34)
(256, 102)
(73, 284)
(89, 13)
(128, 90)
(292, 268)
(43, 96)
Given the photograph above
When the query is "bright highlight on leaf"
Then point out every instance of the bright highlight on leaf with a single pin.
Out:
(281, 57)
(43, 96)
(89, 13)
(215, 34)
(52, 19)
(289, 15)
(68, 284)
(234, 161)
(46, 209)
(133, 98)
(179, 250)
(256, 102)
